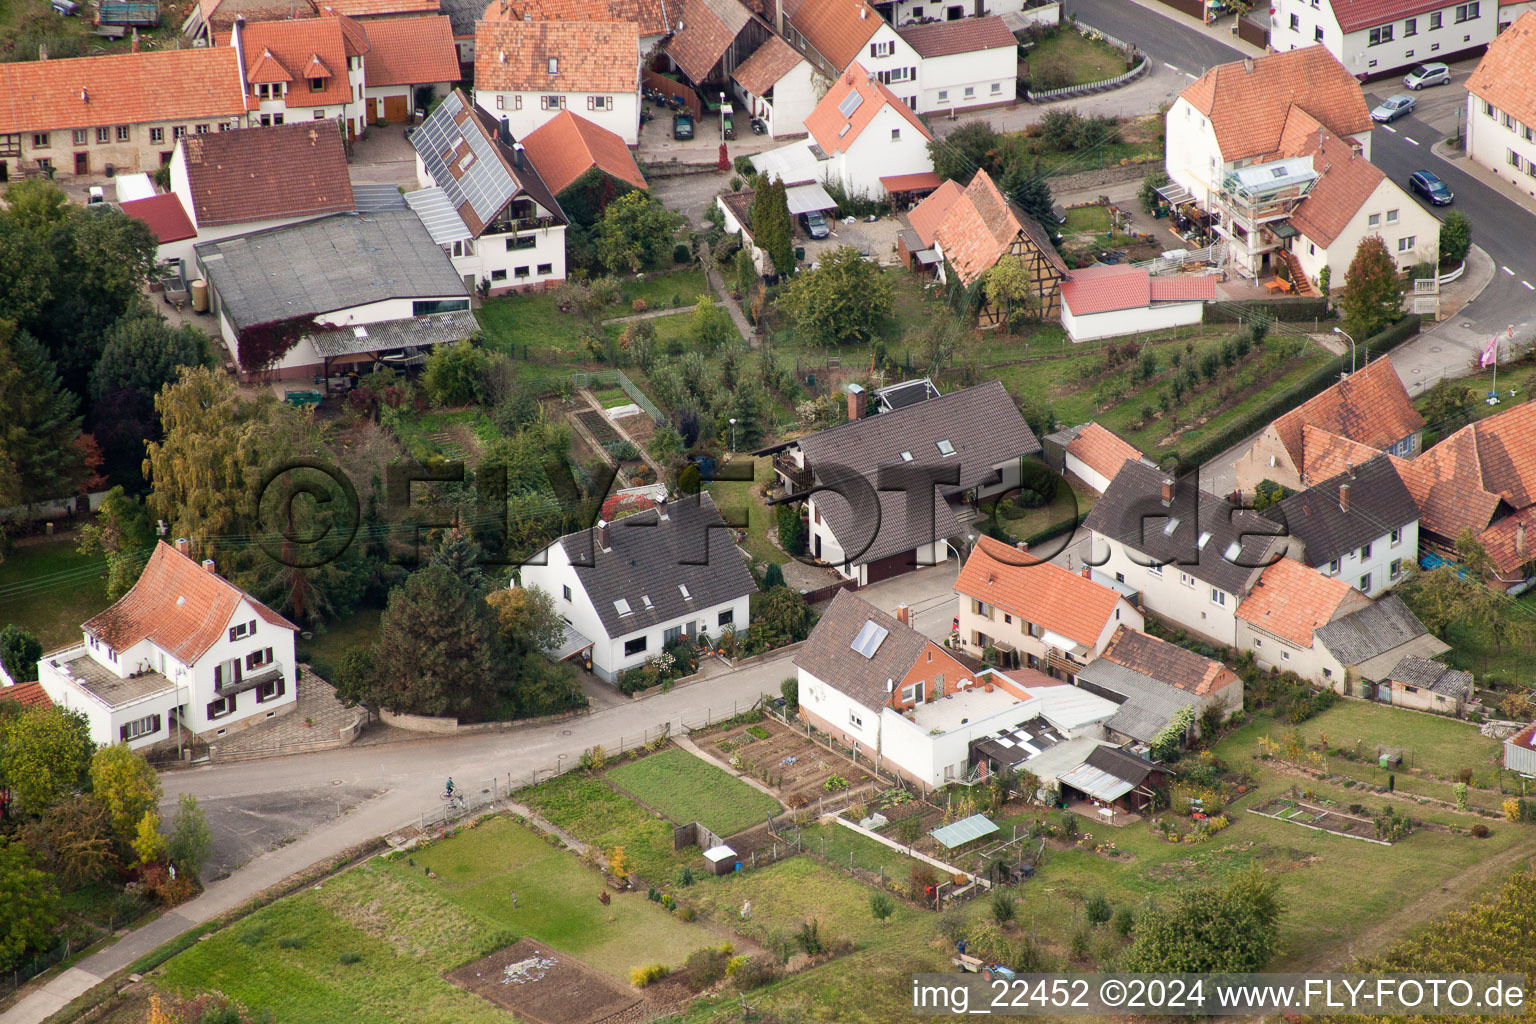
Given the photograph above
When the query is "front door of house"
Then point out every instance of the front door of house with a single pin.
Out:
(82, 163)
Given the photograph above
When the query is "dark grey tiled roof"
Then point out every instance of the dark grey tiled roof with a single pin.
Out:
(462, 14)
(1371, 632)
(1122, 764)
(828, 656)
(1132, 512)
(1434, 676)
(418, 331)
(329, 263)
(1149, 704)
(1378, 504)
(648, 557)
(981, 423)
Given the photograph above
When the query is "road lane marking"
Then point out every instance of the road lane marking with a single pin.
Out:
(1191, 77)
(1170, 67)
(1411, 141)
(1387, 127)
(1529, 286)
(1506, 270)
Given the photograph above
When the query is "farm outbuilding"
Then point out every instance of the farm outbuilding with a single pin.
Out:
(722, 860)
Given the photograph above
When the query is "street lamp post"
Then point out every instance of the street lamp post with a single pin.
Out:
(733, 433)
(722, 115)
(1351, 348)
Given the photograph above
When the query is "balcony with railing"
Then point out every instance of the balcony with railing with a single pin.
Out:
(249, 679)
(798, 478)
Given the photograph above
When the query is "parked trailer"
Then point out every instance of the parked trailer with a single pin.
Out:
(129, 13)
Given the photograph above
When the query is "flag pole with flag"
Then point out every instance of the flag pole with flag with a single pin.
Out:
(1490, 357)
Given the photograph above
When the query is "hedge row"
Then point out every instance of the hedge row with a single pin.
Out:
(1293, 308)
(1317, 382)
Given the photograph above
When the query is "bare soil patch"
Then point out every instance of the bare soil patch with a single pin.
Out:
(795, 766)
(542, 985)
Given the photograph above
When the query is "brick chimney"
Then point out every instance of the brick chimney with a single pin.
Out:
(1167, 490)
(602, 535)
(1343, 497)
(184, 546)
(1087, 572)
(661, 508)
(904, 614)
(208, 565)
(1349, 467)
(855, 402)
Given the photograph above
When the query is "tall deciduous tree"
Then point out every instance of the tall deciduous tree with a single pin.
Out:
(191, 840)
(45, 755)
(19, 651)
(74, 840)
(1373, 290)
(634, 233)
(121, 531)
(1455, 237)
(526, 618)
(843, 301)
(711, 327)
(144, 352)
(972, 146)
(126, 784)
(31, 903)
(1230, 928)
(438, 650)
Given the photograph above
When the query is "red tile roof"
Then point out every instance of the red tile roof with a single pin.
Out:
(180, 606)
(980, 226)
(567, 146)
(127, 88)
(837, 29)
(1506, 451)
(1105, 288)
(376, 9)
(650, 17)
(767, 65)
(1502, 540)
(1325, 455)
(164, 215)
(595, 56)
(31, 695)
(1359, 15)
(1168, 663)
(1346, 182)
(835, 133)
(1446, 483)
(1184, 288)
(1248, 109)
(1058, 599)
(927, 215)
(1371, 407)
(298, 169)
(411, 51)
(943, 38)
(292, 45)
(911, 182)
(1291, 600)
(1102, 450)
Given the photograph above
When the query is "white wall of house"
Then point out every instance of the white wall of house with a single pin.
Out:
(526, 111)
(794, 97)
(1119, 322)
(556, 577)
(1510, 13)
(146, 147)
(839, 715)
(998, 624)
(1170, 592)
(105, 723)
(888, 145)
(1502, 143)
(1314, 663)
(733, 226)
(1376, 567)
(956, 81)
(891, 58)
(907, 12)
(1411, 232)
(1393, 45)
(496, 259)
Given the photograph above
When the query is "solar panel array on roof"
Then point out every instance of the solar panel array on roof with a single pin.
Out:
(850, 103)
(486, 184)
(870, 637)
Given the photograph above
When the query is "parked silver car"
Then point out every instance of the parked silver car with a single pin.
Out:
(1427, 74)
(1392, 108)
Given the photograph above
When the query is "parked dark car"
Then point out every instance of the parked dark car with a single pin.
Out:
(1429, 185)
(815, 224)
(682, 125)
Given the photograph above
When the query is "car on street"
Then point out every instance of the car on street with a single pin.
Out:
(1392, 108)
(1429, 185)
(815, 224)
(1427, 74)
(682, 126)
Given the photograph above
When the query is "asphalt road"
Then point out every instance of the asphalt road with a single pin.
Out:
(1502, 227)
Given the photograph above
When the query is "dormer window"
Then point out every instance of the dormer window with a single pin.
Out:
(946, 448)
(554, 65)
(316, 84)
(622, 607)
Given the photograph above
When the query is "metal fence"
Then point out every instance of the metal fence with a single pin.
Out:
(641, 399)
(1088, 89)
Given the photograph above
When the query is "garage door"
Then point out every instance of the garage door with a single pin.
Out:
(891, 565)
(397, 108)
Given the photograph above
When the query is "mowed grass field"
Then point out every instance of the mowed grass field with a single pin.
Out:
(686, 788)
(49, 589)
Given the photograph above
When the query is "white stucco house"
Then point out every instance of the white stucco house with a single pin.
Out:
(1193, 556)
(1279, 619)
(881, 688)
(1501, 112)
(964, 64)
(484, 202)
(780, 86)
(184, 649)
(914, 12)
(341, 291)
(529, 71)
(1111, 301)
(1239, 113)
(1378, 39)
(632, 587)
(1093, 453)
(859, 133)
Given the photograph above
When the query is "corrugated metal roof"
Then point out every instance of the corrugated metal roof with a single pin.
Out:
(966, 830)
(1094, 782)
(436, 211)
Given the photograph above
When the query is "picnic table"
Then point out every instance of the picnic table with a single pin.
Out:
(1277, 285)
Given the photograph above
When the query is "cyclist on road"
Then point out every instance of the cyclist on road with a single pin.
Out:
(449, 790)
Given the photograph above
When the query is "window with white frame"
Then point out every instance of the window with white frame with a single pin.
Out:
(854, 719)
(1391, 216)
(1381, 34)
(1410, 27)
(1405, 244)
(1295, 22)
(1218, 597)
(1467, 12)
(1487, 109)
(1395, 537)
(997, 88)
(221, 707)
(1365, 583)
(884, 49)
(943, 95)
(123, 132)
(241, 630)
(1508, 120)
(146, 726)
(914, 694)
(1435, 21)
(271, 691)
(1365, 552)
(1317, 34)
(1396, 568)
(1373, 220)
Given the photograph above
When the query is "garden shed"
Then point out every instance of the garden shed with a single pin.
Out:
(966, 830)
(722, 859)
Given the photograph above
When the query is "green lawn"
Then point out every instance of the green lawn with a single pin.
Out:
(838, 843)
(409, 929)
(48, 589)
(1086, 60)
(741, 495)
(595, 813)
(330, 642)
(1087, 220)
(687, 788)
